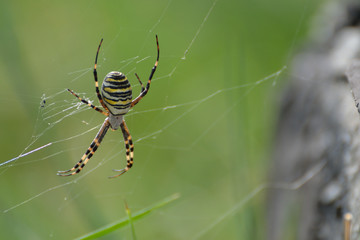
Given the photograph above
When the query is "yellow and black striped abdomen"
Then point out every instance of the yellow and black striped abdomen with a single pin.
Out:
(116, 93)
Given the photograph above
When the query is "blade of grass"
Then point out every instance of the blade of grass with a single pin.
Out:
(124, 221)
(128, 212)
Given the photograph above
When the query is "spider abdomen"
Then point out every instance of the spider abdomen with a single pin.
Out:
(116, 93)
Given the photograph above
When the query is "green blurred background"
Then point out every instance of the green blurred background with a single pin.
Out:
(212, 149)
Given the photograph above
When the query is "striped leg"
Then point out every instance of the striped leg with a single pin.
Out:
(89, 152)
(96, 79)
(87, 103)
(144, 92)
(142, 86)
(129, 150)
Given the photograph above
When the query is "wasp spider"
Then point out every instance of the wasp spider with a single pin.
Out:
(116, 98)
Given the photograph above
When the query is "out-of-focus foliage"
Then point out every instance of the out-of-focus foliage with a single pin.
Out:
(204, 129)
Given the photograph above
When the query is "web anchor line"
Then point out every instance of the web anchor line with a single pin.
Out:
(24, 154)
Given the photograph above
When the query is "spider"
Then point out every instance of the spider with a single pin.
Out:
(116, 98)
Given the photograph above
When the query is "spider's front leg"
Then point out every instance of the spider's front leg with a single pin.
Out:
(87, 103)
(129, 150)
(146, 89)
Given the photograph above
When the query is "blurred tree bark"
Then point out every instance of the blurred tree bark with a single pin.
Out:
(319, 122)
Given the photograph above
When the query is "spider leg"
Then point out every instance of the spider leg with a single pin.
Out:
(89, 152)
(144, 91)
(129, 150)
(142, 86)
(96, 79)
(89, 104)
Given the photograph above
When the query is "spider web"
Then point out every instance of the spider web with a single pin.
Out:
(202, 131)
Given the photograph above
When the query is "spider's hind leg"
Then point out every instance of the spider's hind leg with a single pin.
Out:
(129, 150)
(89, 152)
(84, 159)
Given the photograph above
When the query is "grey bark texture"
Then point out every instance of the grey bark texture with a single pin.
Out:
(320, 124)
